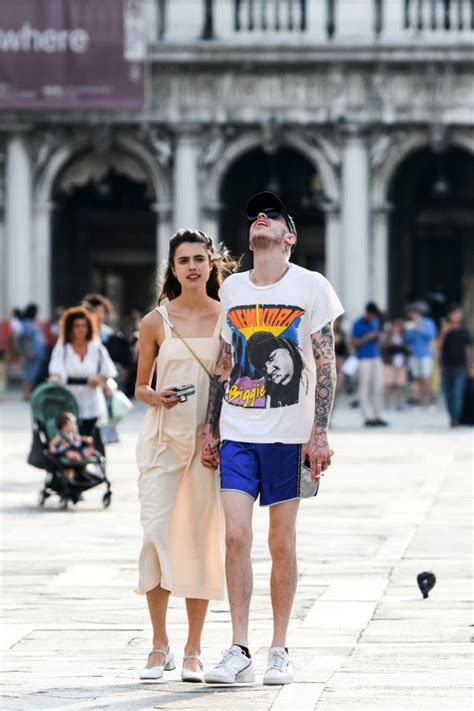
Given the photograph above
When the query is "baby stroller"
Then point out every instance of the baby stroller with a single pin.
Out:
(47, 402)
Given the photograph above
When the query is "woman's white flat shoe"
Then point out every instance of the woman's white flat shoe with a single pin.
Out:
(189, 674)
(156, 672)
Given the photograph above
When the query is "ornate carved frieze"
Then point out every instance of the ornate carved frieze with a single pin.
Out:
(272, 134)
(378, 147)
(102, 139)
(439, 137)
(213, 145)
(373, 93)
(327, 140)
(43, 143)
(159, 139)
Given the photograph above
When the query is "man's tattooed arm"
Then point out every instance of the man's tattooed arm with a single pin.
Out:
(323, 351)
(218, 384)
(210, 432)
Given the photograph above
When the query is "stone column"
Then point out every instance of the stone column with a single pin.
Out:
(355, 222)
(380, 248)
(333, 246)
(18, 224)
(164, 231)
(210, 221)
(42, 277)
(185, 180)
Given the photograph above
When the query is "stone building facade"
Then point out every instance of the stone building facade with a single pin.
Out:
(359, 112)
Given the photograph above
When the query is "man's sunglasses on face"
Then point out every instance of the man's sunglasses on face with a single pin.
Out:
(272, 214)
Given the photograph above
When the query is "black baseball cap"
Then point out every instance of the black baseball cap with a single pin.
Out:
(267, 201)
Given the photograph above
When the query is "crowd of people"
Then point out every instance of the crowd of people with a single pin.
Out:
(406, 361)
(393, 363)
(30, 342)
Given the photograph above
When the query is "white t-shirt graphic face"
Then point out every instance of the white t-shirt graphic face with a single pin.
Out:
(270, 395)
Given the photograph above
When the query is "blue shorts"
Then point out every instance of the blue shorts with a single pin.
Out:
(271, 470)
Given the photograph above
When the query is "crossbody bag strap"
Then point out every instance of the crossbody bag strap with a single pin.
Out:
(99, 360)
(173, 328)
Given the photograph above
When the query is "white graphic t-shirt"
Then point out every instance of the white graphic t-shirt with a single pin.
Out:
(270, 395)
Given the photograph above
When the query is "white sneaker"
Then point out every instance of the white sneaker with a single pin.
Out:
(156, 672)
(280, 668)
(234, 666)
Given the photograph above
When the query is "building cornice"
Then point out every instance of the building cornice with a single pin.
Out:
(201, 53)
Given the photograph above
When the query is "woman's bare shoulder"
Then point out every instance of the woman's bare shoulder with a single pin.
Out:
(152, 323)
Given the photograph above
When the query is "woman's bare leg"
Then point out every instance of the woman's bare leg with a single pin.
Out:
(196, 610)
(157, 600)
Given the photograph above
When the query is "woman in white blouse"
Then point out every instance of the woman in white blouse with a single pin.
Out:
(83, 365)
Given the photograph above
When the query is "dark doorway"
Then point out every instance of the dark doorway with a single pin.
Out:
(104, 240)
(289, 174)
(432, 230)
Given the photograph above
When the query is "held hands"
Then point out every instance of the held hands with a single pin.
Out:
(209, 448)
(318, 452)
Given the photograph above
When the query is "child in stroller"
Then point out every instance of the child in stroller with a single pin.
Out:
(72, 462)
(68, 444)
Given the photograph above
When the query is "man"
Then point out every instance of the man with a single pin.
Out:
(276, 317)
(420, 333)
(456, 360)
(102, 308)
(120, 350)
(365, 339)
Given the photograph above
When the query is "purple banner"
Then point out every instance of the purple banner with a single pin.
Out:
(71, 54)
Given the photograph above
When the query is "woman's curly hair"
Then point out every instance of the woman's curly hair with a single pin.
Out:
(222, 264)
(75, 314)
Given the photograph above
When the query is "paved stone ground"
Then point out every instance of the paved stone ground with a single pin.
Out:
(396, 502)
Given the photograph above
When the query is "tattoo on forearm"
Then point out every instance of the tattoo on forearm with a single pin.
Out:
(323, 351)
(216, 395)
(218, 384)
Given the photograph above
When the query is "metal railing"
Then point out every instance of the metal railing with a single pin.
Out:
(435, 15)
(270, 15)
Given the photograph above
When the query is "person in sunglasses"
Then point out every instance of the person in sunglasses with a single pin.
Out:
(269, 405)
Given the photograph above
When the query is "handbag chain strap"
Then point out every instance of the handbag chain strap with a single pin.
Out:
(173, 327)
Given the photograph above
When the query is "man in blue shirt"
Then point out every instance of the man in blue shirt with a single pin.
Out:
(365, 339)
(420, 333)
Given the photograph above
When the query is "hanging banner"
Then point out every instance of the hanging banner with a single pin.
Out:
(71, 54)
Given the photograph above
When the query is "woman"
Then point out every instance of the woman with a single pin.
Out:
(181, 515)
(395, 354)
(81, 362)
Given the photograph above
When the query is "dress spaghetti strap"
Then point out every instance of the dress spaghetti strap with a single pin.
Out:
(217, 327)
(165, 319)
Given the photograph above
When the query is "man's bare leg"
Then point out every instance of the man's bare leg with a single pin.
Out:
(284, 576)
(238, 509)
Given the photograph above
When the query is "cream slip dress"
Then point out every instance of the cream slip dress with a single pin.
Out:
(180, 505)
